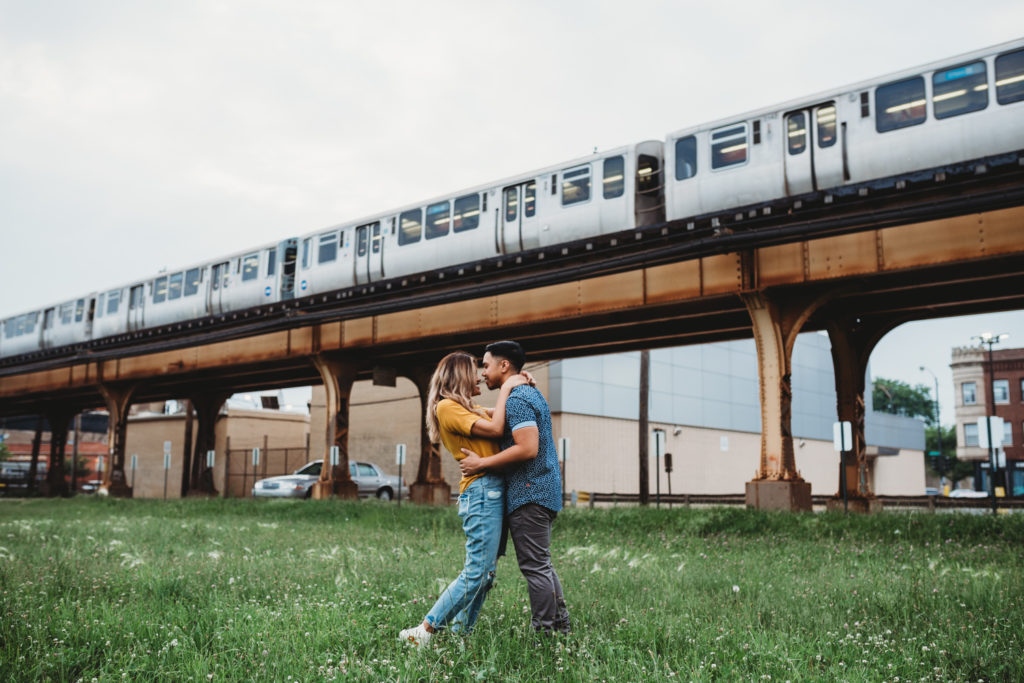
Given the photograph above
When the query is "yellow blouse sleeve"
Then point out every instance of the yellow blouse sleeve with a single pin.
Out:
(452, 417)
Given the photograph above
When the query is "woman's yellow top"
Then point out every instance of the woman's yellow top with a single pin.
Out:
(456, 425)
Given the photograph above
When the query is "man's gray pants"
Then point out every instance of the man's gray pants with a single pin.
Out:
(530, 527)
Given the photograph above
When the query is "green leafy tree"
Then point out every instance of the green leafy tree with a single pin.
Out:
(899, 398)
(5, 452)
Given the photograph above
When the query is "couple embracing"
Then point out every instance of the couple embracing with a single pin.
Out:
(510, 478)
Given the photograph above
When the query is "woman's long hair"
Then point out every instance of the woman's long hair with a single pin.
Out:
(454, 378)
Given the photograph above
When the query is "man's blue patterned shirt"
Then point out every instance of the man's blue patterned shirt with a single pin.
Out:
(538, 480)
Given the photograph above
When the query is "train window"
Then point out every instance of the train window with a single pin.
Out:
(530, 199)
(686, 157)
(729, 146)
(79, 310)
(361, 240)
(192, 279)
(467, 212)
(614, 177)
(757, 132)
(554, 184)
(484, 202)
(113, 301)
(99, 305)
(1010, 77)
(48, 319)
(511, 204)
(250, 266)
(306, 252)
(899, 105)
(67, 311)
(648, 174)
(826, 120)
(410, 226)
(376, 240)
(159, 290)
(865, 105)
(960, 90)
(328, 250)
(575, 185)
(271, 261)
(796, 132)
(438, 220)
(135, 297)
(174, 287)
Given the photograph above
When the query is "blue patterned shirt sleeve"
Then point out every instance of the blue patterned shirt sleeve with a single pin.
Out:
(537, 480)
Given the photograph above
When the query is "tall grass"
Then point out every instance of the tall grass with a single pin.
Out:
(103, 589)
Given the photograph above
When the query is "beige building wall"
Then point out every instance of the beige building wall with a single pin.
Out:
(282, 438)
(967, 366)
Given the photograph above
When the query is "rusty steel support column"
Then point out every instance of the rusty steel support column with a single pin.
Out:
(430, 486)
(60, 420)
(338, 376)
(118, 400)
(776, 323)
(33, 466)
(852, 344)
(207, 407)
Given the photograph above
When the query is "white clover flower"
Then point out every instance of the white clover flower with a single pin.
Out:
(735, 589)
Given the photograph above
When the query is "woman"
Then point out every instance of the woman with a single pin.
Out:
(454, 420)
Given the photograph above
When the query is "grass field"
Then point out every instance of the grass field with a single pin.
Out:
(101, 589)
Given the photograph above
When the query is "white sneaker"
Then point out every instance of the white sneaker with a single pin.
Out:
(417, 636)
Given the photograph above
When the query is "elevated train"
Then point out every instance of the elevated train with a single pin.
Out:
(963, 108)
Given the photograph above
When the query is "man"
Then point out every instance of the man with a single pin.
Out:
(533, 494)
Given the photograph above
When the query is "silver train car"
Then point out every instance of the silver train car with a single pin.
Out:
(962, 108)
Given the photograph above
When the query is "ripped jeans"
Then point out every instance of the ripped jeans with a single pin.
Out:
(481, 507)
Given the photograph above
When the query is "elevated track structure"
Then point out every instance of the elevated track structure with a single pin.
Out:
(855, 262)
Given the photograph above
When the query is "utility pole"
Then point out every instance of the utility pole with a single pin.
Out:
(645, 385)
(990, 340)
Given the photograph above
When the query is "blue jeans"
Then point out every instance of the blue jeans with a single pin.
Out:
(481, 507)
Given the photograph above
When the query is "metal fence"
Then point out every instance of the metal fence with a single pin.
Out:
(244, 468)
(930, 503)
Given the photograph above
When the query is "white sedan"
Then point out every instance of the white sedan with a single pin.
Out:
(299, 484)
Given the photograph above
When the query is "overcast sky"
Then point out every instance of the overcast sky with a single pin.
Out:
(141, 135)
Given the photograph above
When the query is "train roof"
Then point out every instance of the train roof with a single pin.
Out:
(835, 93)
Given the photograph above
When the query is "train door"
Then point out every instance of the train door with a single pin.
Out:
(288, 252)
(46, 333)
(218, 283)
(368, 262)
(813, 159)
(136, 307)
(518, 226)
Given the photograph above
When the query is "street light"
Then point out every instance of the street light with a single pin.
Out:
(938, 424)
(990, 340)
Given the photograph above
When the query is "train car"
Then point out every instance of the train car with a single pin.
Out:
(957, 109)
(597, 194)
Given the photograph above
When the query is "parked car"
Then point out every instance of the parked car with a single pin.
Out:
(299, 484)
(967, 493)
(931, 491)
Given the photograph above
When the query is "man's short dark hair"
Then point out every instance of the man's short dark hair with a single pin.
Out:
(510, 351)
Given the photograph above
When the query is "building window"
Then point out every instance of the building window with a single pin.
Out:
(1007, 433)
(1001, 391)
(900, 104)
(960, 90)
(971, 434)
(970, 393)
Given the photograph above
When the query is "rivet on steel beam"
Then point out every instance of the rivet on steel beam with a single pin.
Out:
(637, 235)
(565, 251)
(440, 276)
(664, 231)
(479, 267)
(940, 177)
(389, 286)
(739, 217)
(901, 184)
(766, 211)
(519, 259)
(714, 222)
(828, 199)
(405, 282)
(798, 204)
(689, 226)
(752, 213)
(980, 169)
(462, 271)
(590, 246)
(614, 242)
(863, 192)
(540, 256)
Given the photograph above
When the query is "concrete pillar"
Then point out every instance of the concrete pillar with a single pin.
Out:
(776, 321)
(338, 376)
(430, 486)
(118, 400)
(852, 343)
(60, 421)
(207, 407)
